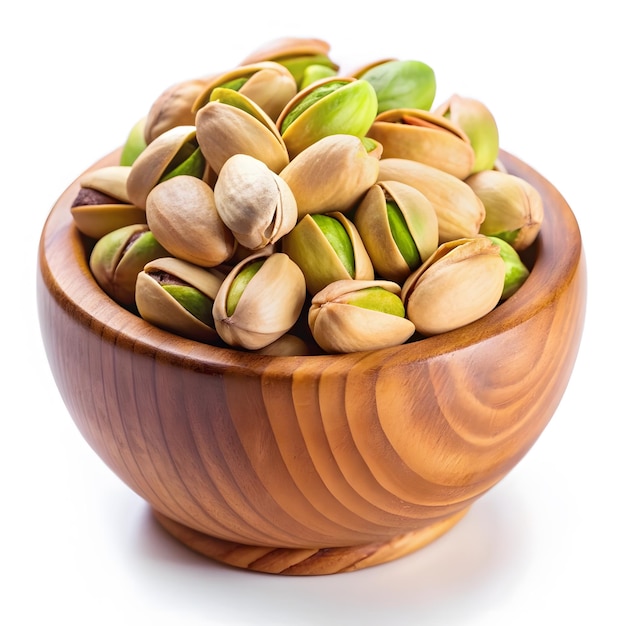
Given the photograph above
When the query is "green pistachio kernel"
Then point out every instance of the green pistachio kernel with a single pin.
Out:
(402, 236)
(338, 238)
(316, 72)
(515, 273)
(309, 100)
(135, 143)
(189, 160)
(236, 83)
(297, 66)
(197, 303)
(239, 283)
(378, 299)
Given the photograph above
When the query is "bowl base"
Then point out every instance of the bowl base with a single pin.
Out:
(306, 561)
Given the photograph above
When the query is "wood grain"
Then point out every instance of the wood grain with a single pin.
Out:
(313, 465)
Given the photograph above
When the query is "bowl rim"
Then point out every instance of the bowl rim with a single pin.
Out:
(64, 271)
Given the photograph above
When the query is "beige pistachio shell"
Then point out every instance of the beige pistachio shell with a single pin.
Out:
(337, 325)
(152, 164)
(254, 202)
(173, 108)
(181, 213)
(425, 137)
(460, 212)
(460, 283)
(110, 180)
(513, 207)
(332, 174)
(232, 123)
(284, 47)
(268, 307)
(268, 84)
(158, 307)
(372, 223)
(308, 246)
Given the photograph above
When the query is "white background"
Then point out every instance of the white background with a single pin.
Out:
(545, 546)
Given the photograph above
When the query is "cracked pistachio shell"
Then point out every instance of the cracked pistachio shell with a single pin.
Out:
(336, 105)
(254, 202)
(173, 153)
(327, 248)
(356, 315)
(332, 174)
(401, 84)
(169, 289)
(135, 143)
(460, 212)
(268, 84)
(516, 271)
(425, 137)
(460, 283)
(102, 204)
(119, 256)
(513, 207)
(269, 305)
(296, 54)
(173, 108)
(231, 123)
(398, 238)
(181, 213)
(478, 124)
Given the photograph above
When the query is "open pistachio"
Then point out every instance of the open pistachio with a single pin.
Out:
(259, 300)
(172, 153)
(254, 202)
(401, 84)
(329, 106)
(425, 137)
(268, 84)
(173, 108)
(294, 53)
(117, 258)
(231, 123)
(355, 315)
(178, 296)
(516, 271)
(460, 283)
(398, 226)
(513, 207)
(135, 143)
(332, 174)
(478, 123)
(102, 204)
(327, 248)
(460, 212)
(182, 215)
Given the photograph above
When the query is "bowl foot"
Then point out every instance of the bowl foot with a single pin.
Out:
(306, 561)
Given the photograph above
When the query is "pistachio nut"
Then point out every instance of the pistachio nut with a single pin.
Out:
(460, 212)
(254, 202)
(172, 153)
(296, 54)
(398, 226)
(460, 283)
(333, 173)
(117, 258)
(329, 106)
(182, 215)
(516, 271)
(173, 108)
(401, 84)
(356, 315)
(479, 124)
(513, 207)
(327, 248)
(231, 123)
(135, 143)
(268, 84)
(313, 73)
(259, 301)
(425, 137)
(178, 296)
(102, 204)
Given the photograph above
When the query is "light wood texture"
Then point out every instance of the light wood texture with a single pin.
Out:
(312, 465)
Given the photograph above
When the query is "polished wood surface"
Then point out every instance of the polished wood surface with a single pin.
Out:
(313, 465)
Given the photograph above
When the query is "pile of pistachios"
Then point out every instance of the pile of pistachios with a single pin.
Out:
(287, 206)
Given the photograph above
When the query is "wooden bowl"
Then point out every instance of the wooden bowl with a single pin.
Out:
(318, 464)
